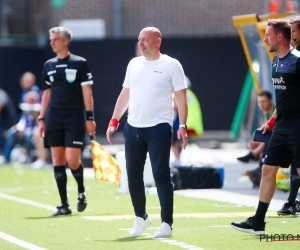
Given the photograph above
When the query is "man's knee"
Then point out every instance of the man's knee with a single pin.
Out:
(162, 177)
(74, 163)
(269, 171)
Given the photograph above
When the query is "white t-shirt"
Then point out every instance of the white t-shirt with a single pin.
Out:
(151, 85)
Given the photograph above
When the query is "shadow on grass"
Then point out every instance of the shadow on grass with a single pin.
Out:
(107, 214)
(127, 239)
(282, 217)
(52, 217)
(250, 237)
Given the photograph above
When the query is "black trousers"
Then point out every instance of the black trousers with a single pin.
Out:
(157, 141)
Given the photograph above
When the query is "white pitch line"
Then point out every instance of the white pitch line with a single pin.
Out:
(25, 201)
(28, 202)
(227, 196)
(19, 242)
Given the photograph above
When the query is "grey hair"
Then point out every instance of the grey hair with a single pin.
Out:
(296, 20)
(63, 31)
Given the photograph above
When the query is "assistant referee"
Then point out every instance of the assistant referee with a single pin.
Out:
(67, 109)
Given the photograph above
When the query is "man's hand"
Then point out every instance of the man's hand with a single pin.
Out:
(42, 129)
(109, 132)
(265, 128)
(91, 128)
(181, 134)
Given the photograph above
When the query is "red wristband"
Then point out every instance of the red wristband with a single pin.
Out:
(114, 123)
(271, 123)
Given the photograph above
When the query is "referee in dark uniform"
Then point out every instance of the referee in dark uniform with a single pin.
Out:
(284, 145)
(67, 110)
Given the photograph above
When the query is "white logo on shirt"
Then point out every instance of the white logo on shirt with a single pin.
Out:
(71, 75)
(78, 142)
(278, 80)
(61, 65)
(51, 72)
(89, 75)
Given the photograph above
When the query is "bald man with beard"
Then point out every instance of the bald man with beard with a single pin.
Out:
(150, 81)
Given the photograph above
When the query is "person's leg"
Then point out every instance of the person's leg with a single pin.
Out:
(54, 138)
(2, 139)
(278, 154)
(27, 143)
(298, 179)
(42, 153)
(258, 151)
(59, 162)
(10, 142)
(247, 157)
(256, 223)
(159, 142)
(73, 159)
(135, 154)
(176, 150)
(295, 182)
(255, 174)
(266, 192)
(295, 170)
(292, 205)
(74, 142)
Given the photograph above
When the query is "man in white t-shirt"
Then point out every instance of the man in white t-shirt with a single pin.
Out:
(150, 81)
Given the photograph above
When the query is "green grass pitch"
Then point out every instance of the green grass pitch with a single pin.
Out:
(198, 223)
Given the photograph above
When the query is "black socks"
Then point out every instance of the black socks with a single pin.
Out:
(61, 181)
(295, 181)
(78, 175)
(261, 212)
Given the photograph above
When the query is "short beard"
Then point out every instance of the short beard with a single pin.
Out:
(272, 49)
(296, 42)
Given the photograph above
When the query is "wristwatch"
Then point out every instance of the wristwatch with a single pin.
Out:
(183, 126)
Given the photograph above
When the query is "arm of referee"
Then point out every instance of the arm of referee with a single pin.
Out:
(89, 106)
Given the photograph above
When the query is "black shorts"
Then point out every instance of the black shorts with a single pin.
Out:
(64, 128)
(284, 149)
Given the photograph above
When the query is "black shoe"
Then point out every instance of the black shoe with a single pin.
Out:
(82, 202)
(255, 177)
(297, 206)
(62, 210)
(250, 226)
(247, 158)
(288, 208)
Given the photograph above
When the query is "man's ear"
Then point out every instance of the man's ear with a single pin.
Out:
(158, 41)
(67, 41)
